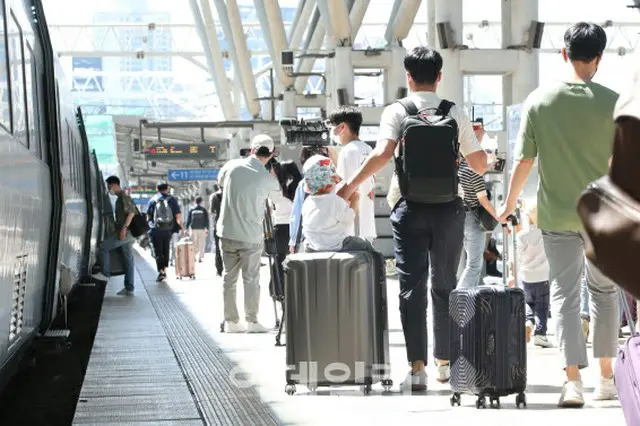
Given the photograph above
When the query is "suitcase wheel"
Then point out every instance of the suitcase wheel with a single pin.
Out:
(387, 384)
(193, 277)
(494, 403)
(366, 389)
(456, 398)
(481, 402)
(290, 389)
(222, 327)
(521, 399)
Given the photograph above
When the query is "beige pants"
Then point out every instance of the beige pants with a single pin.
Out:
(199, 237)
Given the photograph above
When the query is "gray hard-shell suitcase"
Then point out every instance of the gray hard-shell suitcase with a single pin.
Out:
(488, 344)
(337, 324)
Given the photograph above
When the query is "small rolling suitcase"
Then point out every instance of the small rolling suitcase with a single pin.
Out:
(488, 342)
(185, 259)
(337, 325)
(627, 370)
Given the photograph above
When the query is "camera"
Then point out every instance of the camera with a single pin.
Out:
(312, 132)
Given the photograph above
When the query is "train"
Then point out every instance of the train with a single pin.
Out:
(56, 207)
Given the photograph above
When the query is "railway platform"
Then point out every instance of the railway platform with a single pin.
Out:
(159, 358)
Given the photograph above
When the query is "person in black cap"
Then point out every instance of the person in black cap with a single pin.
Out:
(165, 219)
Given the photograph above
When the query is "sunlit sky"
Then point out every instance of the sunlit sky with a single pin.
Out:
(613, 71)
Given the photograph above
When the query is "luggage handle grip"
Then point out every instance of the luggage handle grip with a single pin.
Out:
(627, 312)
(511, 219)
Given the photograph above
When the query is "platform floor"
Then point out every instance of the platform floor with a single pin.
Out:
(159, 358)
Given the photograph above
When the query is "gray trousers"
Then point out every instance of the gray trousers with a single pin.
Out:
(565, 252)
(236, 256)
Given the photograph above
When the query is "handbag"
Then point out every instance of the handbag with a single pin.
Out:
(487, 222)
(611, 215)
(611, 220)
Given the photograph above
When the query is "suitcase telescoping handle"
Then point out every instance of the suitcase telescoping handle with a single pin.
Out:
(627, 312)
(512, 221)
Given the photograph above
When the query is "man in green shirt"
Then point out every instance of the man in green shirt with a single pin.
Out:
(569, 126)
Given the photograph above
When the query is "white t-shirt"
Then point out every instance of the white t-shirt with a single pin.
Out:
(281, 208)
(391, 121)
(532, 260)
(326, 221)
(629, 101)
(351, 157)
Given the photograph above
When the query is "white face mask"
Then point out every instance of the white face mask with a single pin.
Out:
(335, 138)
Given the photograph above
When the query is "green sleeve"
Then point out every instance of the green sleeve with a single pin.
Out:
(526, 144)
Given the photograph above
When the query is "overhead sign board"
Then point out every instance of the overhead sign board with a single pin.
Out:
(182, 175)
(181, 151)
(138, 189)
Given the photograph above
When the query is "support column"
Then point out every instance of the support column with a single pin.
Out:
(342, 75)
(451, 86)
(395, 76)
(526, 78)
(289, 110)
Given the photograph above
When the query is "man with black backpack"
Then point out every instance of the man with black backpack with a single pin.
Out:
(165, 217)
(198, 224)
(425, 135)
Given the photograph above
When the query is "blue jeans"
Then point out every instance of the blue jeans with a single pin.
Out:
(536, 296)
(426, 235)
(112, 243)
(474, 243)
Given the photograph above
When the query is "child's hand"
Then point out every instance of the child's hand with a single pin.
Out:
(511, 282)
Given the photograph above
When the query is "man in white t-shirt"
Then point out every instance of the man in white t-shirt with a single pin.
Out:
(423, 233)
(345, 125)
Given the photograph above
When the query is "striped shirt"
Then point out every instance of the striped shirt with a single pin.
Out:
(472, 184)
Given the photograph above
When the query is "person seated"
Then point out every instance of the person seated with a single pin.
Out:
(327, 219)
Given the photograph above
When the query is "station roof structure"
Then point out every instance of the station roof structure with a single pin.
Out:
(213, 60)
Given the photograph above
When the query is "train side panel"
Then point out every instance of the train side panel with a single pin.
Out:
(25, 182)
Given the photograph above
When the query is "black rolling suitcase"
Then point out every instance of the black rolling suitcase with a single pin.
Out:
(488, 343)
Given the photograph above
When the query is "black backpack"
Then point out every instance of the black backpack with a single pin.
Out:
(427, 167)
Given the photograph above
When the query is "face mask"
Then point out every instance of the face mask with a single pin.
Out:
(335, 138)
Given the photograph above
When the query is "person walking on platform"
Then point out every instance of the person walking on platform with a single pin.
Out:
(198, 224)
(569, 126)
(428, 215)
(215, 202)
(165, 218)
(246, 185)
(125, 210)
(345, 125)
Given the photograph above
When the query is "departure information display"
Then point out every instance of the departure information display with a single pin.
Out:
(182, 151)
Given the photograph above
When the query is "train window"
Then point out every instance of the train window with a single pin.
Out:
(5, 97)
(31, 75)
(16, 71)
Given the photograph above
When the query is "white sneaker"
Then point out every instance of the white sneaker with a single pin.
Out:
(234, 327)
(572, 395)
(529, 330)
(605, 390)
(444, 373)
(415, 382)
(256, 327)
(100, 277)
(542, 341)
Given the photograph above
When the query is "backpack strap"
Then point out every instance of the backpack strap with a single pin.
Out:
(445, 107)
(408, 106)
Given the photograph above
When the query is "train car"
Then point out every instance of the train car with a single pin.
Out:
(50, 217)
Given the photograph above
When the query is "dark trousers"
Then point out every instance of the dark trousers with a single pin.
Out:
(427, 235)
(218, 250)
(162, 246)
(536, 296)
(281, 236)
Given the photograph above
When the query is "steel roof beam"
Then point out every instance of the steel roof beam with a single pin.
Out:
(211, 47)
(238, 52)
(301, 24)
(273, 31)
(403, 21)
